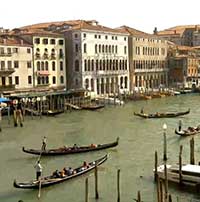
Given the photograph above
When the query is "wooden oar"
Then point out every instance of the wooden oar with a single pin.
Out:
(40, 183)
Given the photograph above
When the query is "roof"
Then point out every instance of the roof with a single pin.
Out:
(134, 32)
(12, 40)
(74, 25)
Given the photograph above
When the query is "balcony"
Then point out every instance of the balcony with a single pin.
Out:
(42, 73)
(7, 87)
(53, 56)
(37, 56)
(5, 54)
(6, 72)
(45, 56)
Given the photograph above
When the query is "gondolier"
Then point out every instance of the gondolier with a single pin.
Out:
(38, 169)
(179, 125)
(44, 143)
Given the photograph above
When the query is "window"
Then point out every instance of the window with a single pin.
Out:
(95, 36)
(84, 35)
(16, 64)
(61, 65)
(45, 41)
(38, 66)
(10, 80)
(85, 48)
(106, 37)
(9, 50)
(75, 36)
(28, 50)
(9, 64)
(29, 64)
(52, 41)
(61, 79)
(125, 49)
(3, 80)
(15, 50)
(54, 80)
(37, 40)
(99, 36)
(29, 80)
(53, 66)
(46, 66)
(2, 51)
(116, 38)
(124, 38)
(76, 48)
(16, 80)
(60, 42)
(76, 65)
(95, 48)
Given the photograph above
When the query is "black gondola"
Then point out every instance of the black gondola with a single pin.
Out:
(162, 115)
(51, 180)
(52, 112)
(71, 150)
(92, 107)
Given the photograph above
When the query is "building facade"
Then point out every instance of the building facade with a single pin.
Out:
(148, 61)
(16, 67)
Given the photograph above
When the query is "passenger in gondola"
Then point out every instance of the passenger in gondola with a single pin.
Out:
(85, 165)
(56, 173)
(62, 173)
(93, 145)
(75, 146)
(70, 171)
(142, 110)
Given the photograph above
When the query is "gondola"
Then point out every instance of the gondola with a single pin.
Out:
(188, 132)
(162, 115)
(92, 107)
(70, 150)
(51, 180)
(52, 112)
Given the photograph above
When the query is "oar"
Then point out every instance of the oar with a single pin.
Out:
(40, 183)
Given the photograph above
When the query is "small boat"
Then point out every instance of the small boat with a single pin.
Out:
(51, 179)
(52, 112)
(189, 131)
(70, 150)
(162, 115)
(92, 107)
(190, 174)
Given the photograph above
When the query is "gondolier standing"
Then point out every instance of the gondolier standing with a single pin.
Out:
(38, 169)
(44, 143)
(179, 125)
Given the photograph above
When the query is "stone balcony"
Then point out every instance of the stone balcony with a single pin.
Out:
(6, 72)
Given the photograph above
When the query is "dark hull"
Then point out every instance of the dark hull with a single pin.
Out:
(50, 180)
(92, 107)
(70, 150)
(162, 115)
(52, 113)
(186, 132)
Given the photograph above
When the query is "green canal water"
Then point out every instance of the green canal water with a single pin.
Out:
(139, 139)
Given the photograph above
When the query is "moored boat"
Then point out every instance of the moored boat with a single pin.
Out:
(52, 112)
(162, 115)
(51, 179)
(92, 107)
(70, 150)
(190, 174)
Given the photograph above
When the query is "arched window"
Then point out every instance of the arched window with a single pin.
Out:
(99, 48)
(102, 48)
(53, 66)
(42, 66)
(62, 79)
(88, 65)
(97, 65)
(54, 80)
(85, 65)
(100, 64)
(106, 50)
(85, 48)
(86, 83)
(76, 66)
(126, 82)
(92, 84)
(38, 80)
(96, 48)
(92, 65)
(38, 66)
(46, 65)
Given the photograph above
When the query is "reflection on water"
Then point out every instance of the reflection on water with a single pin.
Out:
(139, 139)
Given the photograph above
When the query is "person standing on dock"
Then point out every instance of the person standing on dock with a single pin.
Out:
(44, 143)
(38, 169)
(179, 125)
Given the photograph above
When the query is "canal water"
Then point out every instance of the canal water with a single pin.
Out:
(134, 156)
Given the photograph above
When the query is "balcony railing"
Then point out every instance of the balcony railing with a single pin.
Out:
(42, 73)
(37, 56)
(7, 87)
(6, 71)
(6, 54)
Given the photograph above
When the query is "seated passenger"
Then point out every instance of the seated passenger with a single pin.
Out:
(85, 164)
(70, 171)
(62, 173)
(93, 145)
(56, 173)
(75, 146)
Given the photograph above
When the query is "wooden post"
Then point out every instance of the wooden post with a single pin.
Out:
(96, 182)
(161, 191)
(165, 147)
(158, 190)
(138, 197)
(118, 185)
(156, 167)
(166, 184)
(180, 165)
(86, 190)
(192, 151)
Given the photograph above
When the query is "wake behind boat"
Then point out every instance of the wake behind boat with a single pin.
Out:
(162, 115)
(52, 179)
(71, 150)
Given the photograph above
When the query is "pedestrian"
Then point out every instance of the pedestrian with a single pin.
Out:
(44, 143)
(38, 169)
(179, 125)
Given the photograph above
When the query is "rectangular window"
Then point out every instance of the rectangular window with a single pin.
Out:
(29, 80)
(2, 65)
(28, 50)
(9, 64)
(61, 66)
(29, 64)
(125, 51)
(45, 41)
(16, 64)
(15, 50)
(85, 48)
(84, 35)
(60, 42)
(10, 80)
(52, 41)
(1, 51)
(16, 80)
(9, 50)
(37, 40)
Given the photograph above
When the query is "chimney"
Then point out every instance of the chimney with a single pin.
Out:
(155, 31)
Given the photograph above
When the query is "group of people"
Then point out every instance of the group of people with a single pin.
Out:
(63, 173)
(190, 129)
